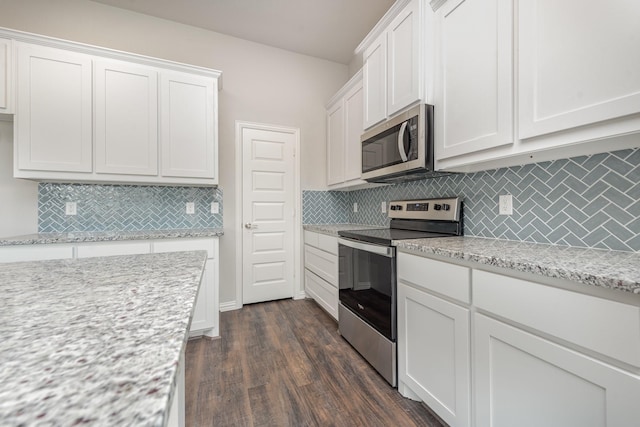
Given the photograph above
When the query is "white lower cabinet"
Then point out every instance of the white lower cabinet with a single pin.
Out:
(321, 270)
(524, 380)
(433, 342)
(20, 253)
(489, 349)
(206, 314)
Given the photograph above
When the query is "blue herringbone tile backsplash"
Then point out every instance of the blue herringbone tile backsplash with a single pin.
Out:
(125, 207)
(589, 201)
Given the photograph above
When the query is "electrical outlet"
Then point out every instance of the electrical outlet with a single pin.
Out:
(191, 208)
(215, 207)
(383, 207)
(71, 208)
(355, 206)
(505, 205)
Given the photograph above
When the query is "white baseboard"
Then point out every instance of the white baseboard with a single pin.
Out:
(229, 306)
(300, 295)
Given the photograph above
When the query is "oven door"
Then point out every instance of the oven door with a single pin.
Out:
(367, 280)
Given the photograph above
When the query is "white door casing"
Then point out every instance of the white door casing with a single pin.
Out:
(268, 226)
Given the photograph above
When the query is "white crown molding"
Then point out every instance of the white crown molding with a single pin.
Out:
(109, 53)
(357, 78)
(381, 25)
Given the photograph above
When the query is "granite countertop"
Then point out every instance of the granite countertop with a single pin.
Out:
(595, 267)
(94, 341)
(332, 229)
(108, 236)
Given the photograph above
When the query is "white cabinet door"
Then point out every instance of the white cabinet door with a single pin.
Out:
(19, 253)
(203, 314)
(403, 59)
(434, 353)
(188, 126)
(53, 116)
(374, 76)
(89, 250)
(206, 313)
(325, 294)
(353, 108)
(523, 380)
(475, 83)
(5, 77)
(335, 143)
(574, 72)
(126, 119)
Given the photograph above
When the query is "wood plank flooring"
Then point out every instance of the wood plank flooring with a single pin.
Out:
(283, 363)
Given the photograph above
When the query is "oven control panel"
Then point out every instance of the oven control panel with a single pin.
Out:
(446, 209)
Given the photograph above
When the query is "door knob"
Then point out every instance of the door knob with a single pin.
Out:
(250, 226)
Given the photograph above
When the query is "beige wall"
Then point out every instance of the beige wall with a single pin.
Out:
(260, 84)
(18, 197)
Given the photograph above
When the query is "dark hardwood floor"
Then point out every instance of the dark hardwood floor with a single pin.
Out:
(282, 363)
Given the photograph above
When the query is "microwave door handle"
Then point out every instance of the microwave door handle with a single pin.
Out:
(403, 154)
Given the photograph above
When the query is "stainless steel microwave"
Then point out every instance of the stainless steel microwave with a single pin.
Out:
(400, 149)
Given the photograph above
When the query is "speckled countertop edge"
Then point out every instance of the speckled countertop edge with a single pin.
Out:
(332, 229)
(108, 236)
(94, 341)
(594, 267)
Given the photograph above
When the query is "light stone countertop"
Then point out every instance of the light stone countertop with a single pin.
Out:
(594, 267)
(332, 229)
(108, 236)
(94, 341)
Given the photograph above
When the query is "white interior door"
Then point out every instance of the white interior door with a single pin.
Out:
(268, 212)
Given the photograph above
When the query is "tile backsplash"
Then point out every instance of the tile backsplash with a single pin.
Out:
(588, 201)
(125, 207)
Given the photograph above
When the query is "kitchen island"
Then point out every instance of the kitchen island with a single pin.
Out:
(95, 341)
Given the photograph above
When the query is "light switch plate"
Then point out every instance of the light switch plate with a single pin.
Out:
(383, 207)
(191, 208)
(355, 206)
(215, 207)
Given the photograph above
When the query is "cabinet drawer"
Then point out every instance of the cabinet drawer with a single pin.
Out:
(325, 294)
(186, 245)
(607, 327)
(109, 249)
(311, 238)
(328, 243)
(322, 263)
(437, 276)
(35, 252)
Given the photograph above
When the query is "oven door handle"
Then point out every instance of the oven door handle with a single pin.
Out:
(376, 249)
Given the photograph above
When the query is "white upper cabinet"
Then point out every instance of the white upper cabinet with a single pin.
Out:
(53, 115)
(574, 72)
(6, 100)
(335, 143)
(577, 80)
(474, 86)
(353, 110)
(126, 119)
(403, 59)
(374, 73)
(344, 129)
(188, 136)
(394, 61)
(87, 114)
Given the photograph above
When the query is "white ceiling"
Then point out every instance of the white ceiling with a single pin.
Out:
(328, 29)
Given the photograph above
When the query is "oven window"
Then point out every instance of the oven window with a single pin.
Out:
(367, 287)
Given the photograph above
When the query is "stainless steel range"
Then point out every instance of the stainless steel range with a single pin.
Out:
(367, 275)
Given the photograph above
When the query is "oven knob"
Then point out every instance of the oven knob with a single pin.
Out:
(396, 207)
(437, 206)
(446, 207)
